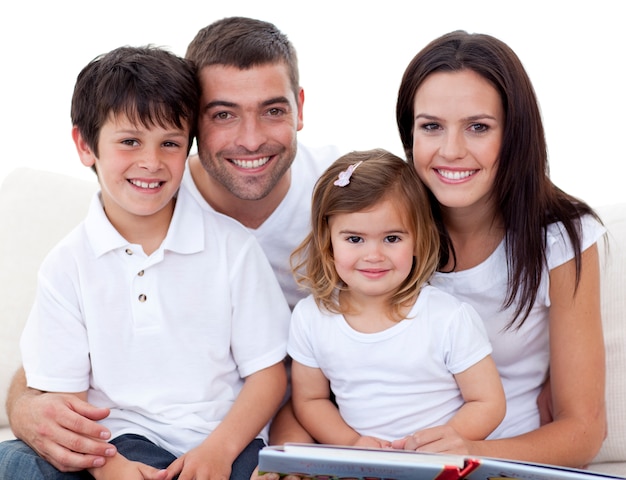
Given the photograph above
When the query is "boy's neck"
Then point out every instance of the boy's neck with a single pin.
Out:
(147, 231)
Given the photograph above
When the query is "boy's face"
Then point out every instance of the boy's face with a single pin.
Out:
(139, 168)
(247, 127)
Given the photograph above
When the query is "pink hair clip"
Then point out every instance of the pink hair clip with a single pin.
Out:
(344, 177)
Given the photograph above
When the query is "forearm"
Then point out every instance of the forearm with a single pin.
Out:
(569, 442)
(254, 407)
(475, 420)
(17, 391)
(321, 418)
(285, 427)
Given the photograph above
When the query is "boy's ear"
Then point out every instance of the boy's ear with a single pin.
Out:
(87, 156)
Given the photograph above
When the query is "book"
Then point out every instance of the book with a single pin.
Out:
(332, 462)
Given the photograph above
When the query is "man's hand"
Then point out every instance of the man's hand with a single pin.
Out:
(60, 427)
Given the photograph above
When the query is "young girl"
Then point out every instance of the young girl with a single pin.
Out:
(398, 354)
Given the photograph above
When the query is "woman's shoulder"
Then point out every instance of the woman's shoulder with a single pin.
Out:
(559, 247)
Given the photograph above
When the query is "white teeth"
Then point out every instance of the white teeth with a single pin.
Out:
(455, 175)
(259, 162)
(140, 184)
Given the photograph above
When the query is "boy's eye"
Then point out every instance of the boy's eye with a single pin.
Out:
(130, 142)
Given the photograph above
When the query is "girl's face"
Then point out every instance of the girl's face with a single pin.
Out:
(373, 250)
(457, 134)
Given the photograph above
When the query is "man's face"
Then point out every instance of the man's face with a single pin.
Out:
(247, 127)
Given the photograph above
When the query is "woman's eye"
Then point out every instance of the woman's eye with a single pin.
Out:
(479, 127)
(430, 126)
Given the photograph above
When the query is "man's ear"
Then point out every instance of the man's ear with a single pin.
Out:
(300, 100)
(87, 156)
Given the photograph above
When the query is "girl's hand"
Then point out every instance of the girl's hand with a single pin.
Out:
(442, 439)
(372, 442)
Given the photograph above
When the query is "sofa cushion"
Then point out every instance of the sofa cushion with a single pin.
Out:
(37, 209)
(613, 293)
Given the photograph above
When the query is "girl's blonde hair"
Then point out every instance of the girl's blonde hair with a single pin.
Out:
(380, 176)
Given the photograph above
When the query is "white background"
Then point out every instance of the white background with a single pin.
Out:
(352, 56)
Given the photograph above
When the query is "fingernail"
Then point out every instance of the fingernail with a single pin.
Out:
(109, 452)
(98, 462)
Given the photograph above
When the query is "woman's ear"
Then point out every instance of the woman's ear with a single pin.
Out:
(87, 156)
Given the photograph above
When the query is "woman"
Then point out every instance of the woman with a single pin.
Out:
(513, 245)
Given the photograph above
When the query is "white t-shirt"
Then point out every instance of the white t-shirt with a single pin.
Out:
(522, 356)
(163, 340)
(391, 383)
(287, 226)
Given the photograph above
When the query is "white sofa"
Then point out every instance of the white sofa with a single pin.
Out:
(37, 208)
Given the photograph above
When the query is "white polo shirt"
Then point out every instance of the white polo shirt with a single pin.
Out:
(163, 340)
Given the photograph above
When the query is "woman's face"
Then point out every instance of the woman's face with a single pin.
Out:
(457, 134)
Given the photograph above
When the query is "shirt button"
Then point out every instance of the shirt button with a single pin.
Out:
(142, 298)
(140, 273)
(129, 251)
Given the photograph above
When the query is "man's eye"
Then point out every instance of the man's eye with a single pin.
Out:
(273, 112)
(222, 115)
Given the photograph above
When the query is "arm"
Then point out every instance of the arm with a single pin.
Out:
(316, 412)
(256, 403)
(61, 428)
(577, 379)
(286, 428)
(485, 404)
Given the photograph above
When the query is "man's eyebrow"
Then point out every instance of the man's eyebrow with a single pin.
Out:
(271, 101)
(219, 103)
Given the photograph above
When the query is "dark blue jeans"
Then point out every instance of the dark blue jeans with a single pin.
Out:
(19, 462)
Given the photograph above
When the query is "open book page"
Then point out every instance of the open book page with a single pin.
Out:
(326, 462)
(329, 462)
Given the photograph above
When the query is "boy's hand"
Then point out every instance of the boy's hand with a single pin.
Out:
(120, 467)
(62, 429)
(200, 464)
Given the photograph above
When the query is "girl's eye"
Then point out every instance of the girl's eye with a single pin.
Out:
(392, 238)
(354, 239)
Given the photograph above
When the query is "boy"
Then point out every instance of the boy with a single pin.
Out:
(169, 316)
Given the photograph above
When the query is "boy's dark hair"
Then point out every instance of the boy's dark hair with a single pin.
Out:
(243, 43)
(149, 85)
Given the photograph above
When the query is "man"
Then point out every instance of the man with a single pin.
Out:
(249, 166)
